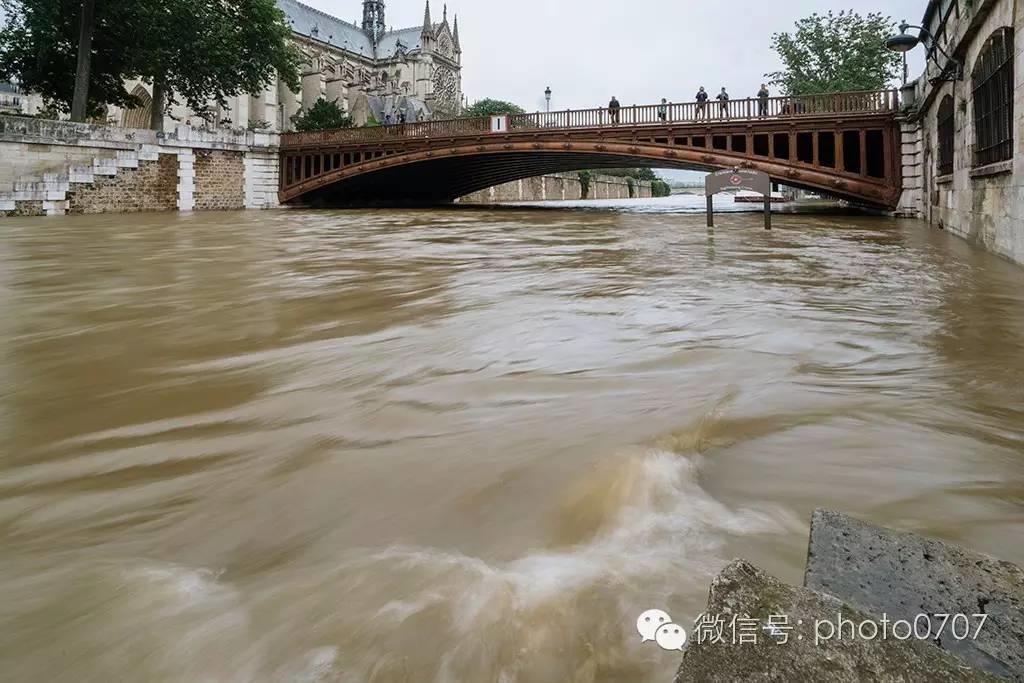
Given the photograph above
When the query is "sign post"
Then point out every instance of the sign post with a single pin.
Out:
(499, 123)
(739, 179)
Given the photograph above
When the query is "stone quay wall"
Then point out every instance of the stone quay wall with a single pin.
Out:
(983, 204)
(558, 187)
(58, 167)
(152, 186)
(875, 605)
(220, 179)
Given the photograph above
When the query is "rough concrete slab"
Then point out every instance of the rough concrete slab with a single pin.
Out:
(742, 589)
(904, 575)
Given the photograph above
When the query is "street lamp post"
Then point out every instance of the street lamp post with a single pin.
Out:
(547, 98)
(904, 43)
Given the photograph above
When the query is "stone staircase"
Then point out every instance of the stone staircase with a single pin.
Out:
(48, 195)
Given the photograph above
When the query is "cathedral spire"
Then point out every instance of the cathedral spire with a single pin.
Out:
(428, 25)
(373, 19)
(445, 19)
(455, 35)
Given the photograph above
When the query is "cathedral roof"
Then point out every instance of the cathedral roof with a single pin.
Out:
(313, 23)
(321, 26)
(409, 38)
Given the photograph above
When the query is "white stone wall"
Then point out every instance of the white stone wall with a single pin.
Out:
(42, 157)
(911, 203)
(22, 159)
(984, 205)
(262, 171)
(186, 180)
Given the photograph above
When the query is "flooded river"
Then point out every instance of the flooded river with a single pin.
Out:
(465, 445)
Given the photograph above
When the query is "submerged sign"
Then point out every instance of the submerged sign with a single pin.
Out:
(738, 179)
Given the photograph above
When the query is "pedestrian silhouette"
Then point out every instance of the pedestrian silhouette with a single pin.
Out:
(663, 109)
(702, 103)
(613, 110)
(723, 100)
(762, 100)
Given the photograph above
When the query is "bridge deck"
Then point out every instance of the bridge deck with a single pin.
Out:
(843, 143)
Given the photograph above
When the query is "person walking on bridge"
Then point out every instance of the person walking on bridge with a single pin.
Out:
(613, 110)
(762, 100)
(723, 103)
(702, 103)
(663, 110)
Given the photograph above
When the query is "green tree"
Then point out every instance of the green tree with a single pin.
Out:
(214, 50)
(39, 48)
(659, 188)
(489, 107)
(87, 27)
(637, 173)
(197, 50)
(585, 178)
(323, 115)
(834, 53)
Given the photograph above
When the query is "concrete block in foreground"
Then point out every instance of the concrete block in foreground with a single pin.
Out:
(903, 575)
(742, 589)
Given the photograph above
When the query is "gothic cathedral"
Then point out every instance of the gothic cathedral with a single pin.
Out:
(373, 72)
(410, 73)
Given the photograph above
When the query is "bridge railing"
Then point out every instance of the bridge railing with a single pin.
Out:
(879, 101)
(423, 129)
(867, 102)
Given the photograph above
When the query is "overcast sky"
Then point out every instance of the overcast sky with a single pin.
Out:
(637, 50)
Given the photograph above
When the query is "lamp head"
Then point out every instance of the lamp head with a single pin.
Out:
(903, 42)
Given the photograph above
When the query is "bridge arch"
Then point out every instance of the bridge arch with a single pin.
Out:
(442, 176)
(843, 145)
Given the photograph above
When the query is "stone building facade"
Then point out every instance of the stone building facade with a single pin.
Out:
(963, 141)
(371, 71)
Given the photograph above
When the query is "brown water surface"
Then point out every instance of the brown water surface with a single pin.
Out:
(456, 445)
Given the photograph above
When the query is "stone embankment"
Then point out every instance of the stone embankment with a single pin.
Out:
(58, 167)
(560, 187)
(876, 605)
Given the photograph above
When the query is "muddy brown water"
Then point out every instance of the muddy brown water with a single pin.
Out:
(470, 445)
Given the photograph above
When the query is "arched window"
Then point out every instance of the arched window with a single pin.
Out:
(992, 82)
(944, 124)
(139, 117)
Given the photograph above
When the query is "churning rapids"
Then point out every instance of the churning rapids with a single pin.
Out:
(472, 446)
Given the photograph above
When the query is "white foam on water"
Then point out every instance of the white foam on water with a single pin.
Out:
(566, 612)
(638, 531)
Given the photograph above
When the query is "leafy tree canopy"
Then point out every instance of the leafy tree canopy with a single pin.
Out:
(323, 115)
(198, 50)
(489, 107)
(39, 44)
(834, 53)
(659, 188)
(638, 173)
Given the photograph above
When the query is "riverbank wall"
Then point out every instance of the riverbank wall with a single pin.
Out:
(876, 604)
(963, 152)
(59, 167)
(560, 187)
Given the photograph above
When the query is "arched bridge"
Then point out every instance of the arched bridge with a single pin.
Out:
(843, 144)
